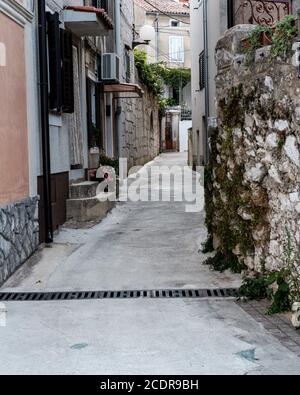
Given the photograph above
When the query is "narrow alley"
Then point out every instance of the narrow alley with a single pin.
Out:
(149, 189)
(139, 246)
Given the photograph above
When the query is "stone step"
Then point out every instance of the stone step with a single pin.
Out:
(82, 190)
(88, 209)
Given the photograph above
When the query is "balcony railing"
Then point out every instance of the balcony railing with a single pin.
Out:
(261, 12)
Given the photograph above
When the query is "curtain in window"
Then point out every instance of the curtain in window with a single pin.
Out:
(177, 49)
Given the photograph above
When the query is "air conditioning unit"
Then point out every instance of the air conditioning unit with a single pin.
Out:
(110, 67)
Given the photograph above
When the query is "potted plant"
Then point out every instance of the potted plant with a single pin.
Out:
(260, 36)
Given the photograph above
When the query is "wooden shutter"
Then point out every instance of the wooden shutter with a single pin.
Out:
(89, 112)
(101, 4)
(202, 70)
(176, 44)
(67, 72)
(55, 76)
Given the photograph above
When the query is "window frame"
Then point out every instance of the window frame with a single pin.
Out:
(176, 59)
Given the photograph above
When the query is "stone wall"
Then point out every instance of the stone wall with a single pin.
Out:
(19, 235)
(253, 178)
(140, 129)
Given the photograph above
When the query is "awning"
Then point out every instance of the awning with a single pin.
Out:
(124, 88)
(87, 21)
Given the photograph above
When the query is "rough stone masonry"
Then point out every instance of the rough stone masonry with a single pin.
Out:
(253, 178)
(19, 235)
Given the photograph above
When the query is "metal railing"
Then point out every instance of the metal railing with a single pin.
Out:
(186, 114)
(261, 12)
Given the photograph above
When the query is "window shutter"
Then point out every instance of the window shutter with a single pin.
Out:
(67, 72)
(202, 70)
(101, 4)
(55, 76)
(177, 49)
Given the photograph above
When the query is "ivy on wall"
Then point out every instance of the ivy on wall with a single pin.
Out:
(279, 36)
(154, 76)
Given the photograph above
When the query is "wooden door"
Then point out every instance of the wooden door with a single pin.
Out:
(59, 197)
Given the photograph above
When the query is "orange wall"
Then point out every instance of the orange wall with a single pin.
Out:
(14, 177)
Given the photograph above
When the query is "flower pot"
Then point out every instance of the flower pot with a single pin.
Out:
(246, 43)
(266, 39)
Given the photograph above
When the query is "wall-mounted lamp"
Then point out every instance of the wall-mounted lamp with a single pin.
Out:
(147, 34)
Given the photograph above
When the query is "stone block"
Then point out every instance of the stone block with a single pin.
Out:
(83, 190)
(18, 235)
(88, 209)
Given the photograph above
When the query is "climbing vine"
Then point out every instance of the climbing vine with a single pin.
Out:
(283, 35)
(281, 287)
(226, 192)
(280, 37)
(155, 76)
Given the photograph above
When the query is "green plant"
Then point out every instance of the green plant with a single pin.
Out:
(208, 245)
(164, 103)
(282, 287)
(225, 261)
(106, 161)
(173, 77)
(254, 288)
(281, 301)
(254, 40)
(155, 76)
(282, 39)
(148, 74)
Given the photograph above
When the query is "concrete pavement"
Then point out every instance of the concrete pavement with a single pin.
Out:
(138, 246)
(142, 245)
(138, 337)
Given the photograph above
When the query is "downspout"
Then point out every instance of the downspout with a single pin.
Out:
(118, 51)
(157, 37)
(230, 14)
(44, 119)
(206, 77)
(118, 26)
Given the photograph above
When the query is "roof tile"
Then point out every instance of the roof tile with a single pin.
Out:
(166, 6)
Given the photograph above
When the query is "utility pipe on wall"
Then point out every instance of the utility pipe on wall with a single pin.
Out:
(44, 118)
(118, 26)
(206, 76)
(119, 53)
(157, 37)
(230, 13)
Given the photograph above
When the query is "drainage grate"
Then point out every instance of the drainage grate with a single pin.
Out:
(147, 294)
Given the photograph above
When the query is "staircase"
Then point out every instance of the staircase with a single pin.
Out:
(84, 206)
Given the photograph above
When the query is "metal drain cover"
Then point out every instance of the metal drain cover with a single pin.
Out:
(144, 294)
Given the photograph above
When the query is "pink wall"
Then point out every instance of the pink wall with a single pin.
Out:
(14, 177)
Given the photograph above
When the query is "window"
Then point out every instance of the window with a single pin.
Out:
(175, 23)
(67, 72)
(176, 49)
(127, 64)
(60, 64)
(54, 62)
(100, 4)
(202, 70)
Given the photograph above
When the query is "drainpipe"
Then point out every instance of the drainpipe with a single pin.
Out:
(118, 26)
(206, 77)
(118, 51)
(157, 37)
(44, 118)
(230, 13)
